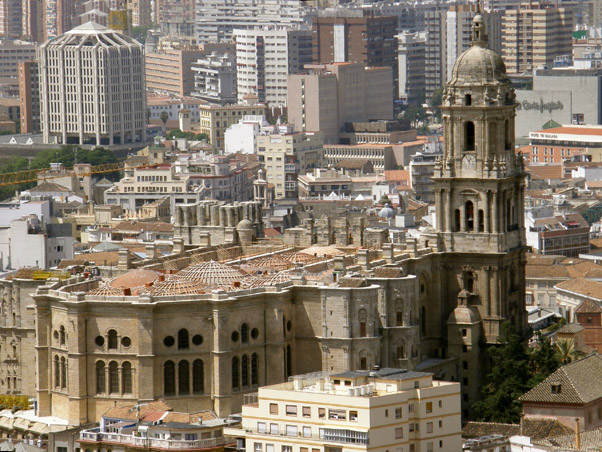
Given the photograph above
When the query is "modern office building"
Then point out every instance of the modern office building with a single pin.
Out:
(92, 88)
(217, 19)
(364, 411)
(29, 97)
(10, 19)
(533, 34)
(215, 78)
(13, 52)
(170, 71)
(264, 59)
(410, 60)
(334, 94)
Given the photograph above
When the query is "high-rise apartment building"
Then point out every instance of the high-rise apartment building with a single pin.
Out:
(265, 57)
(176, 17)
(32, 20)
(369, 40)
(170, 71)
(364, 411)
(92, 88)
(217, 19)
(533, 35)
(215, 78)
(29, 96)
(10, 18)
(411, 51)
(333, 94)
(13, 52)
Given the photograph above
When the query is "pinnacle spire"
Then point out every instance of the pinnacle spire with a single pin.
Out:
(479, 33)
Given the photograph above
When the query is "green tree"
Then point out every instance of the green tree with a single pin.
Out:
(507, 380)
(148, 115)
(565, 350)
(164, 116)
(544, 360)
(201, 136)
(415, 114)
(12, 166)
(435, 103)
(177, 133)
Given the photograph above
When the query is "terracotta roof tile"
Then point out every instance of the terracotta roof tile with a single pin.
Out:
(136, 226)
(535, 428)
(545, 171)
(130, 411)
(135, 278)
(583, 286)
(589, 306)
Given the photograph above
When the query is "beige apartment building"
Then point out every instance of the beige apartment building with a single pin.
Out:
(170, 71)
(533, 35)
(287, 155)
(333, 94)
(376, 411)
(215, 119)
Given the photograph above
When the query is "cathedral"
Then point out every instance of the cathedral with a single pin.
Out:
(204, 332)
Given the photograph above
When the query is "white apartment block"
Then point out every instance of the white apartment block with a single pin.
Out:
(377, 411)
(410, 54)
(216, 19)
(264, 59)
(215, 78)
(92, 88)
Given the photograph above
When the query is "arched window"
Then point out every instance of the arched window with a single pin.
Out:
(508, 219)
(244, 333)
(198, 377)
(469, 281)
(362, 316)
(423, 320)
(100, 378)
(57, 372)
(183, 339)
(113, 378)
(481, 221)
(183, 377)
(457, 220)
(469, 136)
(469, 214)
(235, 374)
(63, 373)
(401, 351)
(507, 137)
(244, 370)
(126, 377)
(112, 340)
(169, 378)
(289, 361)
(62, 335)
(254, 365)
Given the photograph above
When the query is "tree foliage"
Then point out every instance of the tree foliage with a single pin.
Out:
(435, 103)
(12, 166)
(565, 350)
(515, 370)
(68, 154)
(164, 116)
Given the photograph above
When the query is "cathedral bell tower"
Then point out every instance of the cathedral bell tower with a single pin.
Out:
(479, 189)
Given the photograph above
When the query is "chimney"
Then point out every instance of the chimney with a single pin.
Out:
(161, 278)
(127, 291)
(577, 435)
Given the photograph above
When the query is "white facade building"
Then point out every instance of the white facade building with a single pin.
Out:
(216, 19)
(241, 137)
(92, 88)
(410, 53)
(215, 78)
(265, 57)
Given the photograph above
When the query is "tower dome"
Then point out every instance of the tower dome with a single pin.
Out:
(478, 65)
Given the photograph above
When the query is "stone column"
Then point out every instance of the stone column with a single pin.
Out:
(222, 216)
(488, 290)
(494, 208)
(187, 215)
(463, 217)
(448, 217)
(214, 215)
(178, 216)
(439, 225)
(496, 293)
(230, 216)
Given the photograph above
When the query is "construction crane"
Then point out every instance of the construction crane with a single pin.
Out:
(35, 175)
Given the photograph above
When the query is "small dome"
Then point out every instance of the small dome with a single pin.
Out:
(386, 212)
(244, 225)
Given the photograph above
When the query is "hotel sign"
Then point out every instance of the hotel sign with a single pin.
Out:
(550, 136)
(541, 105)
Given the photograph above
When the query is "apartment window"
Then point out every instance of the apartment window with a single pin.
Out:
(429, 447)
(291, 430)
(337, 415)
(273, 408)
(386, 413)
(274, 429)
(412, 448)
(429, 427)
(440, 424)
(269, 448)
(257, 447)
(306, 411)
(440, 403)
(397, 413)
(307, 432)
(353, 416)
(261, 427)
(321, 412)
(429, 407)
(411, 407)
(399, 433)
(291, 410)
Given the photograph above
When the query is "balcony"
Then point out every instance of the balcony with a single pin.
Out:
(152, 443)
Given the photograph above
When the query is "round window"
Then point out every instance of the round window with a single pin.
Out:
(100, 341)
(234, 336)
(169, 341)
(126, 341)
(197, 339)
(254, 333)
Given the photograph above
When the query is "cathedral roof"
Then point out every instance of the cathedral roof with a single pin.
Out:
(213, 274)
(478, 65)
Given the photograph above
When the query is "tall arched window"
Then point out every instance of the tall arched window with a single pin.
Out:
(235, 374)
(183, 377)
(254, 365)
(289, 361)
(481, 221)
(57, 372)
(112, 340)
(469, 215)
(62, 335)
(244, 333)
(469, 136)
(362, 318)
(63, 373)
(507, 137)
(169, 378)
(113, 378)
(101, 386)
(126, 377)
(423, 320)
(244, 370)
(183, 339)
(198, 377)
(457, 220)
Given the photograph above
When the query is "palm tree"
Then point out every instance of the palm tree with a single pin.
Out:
(164, 116)
(566, 351)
